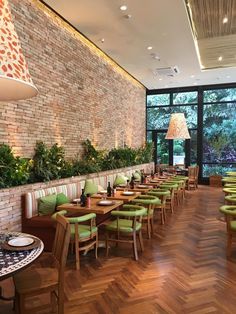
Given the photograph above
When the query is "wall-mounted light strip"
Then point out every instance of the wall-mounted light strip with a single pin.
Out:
(56, 18)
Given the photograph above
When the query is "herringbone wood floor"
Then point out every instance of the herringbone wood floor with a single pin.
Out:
(183, 268)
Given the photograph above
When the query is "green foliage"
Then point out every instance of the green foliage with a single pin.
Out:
(50, 164)
(13, 170)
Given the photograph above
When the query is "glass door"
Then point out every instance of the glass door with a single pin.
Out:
(174, 152)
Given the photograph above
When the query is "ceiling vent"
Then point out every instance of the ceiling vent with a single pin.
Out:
(169, 71)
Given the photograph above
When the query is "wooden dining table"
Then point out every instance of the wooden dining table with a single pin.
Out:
(95, 207)
(14, 259)
(119, 195)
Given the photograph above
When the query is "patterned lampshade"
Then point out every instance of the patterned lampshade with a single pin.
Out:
(15, 80)
(177, 127)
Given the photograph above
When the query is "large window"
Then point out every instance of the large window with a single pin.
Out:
(210, 112)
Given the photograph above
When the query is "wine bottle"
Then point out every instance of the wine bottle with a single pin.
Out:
(83, 199)
(109, 189)
(132, 182)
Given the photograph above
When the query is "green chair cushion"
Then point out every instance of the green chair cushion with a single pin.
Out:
(230, 190)
(146, 200)
(233, 225)
(90, 187)
(84, 230)
(231, 198)
(47, 204)
(228, 210)
(124, 225)
(62, 199)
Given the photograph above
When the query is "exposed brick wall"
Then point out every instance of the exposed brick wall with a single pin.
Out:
(81, 95)
(10, 199)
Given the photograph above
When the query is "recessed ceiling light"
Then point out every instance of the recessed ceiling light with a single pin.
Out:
(128, 16)
(192, 76)
(160, 79)
(220, 58)
(149, 48)
(225, 20)
(102, 40)
(123, 7)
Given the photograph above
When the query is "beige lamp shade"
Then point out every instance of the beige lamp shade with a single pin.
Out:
(15, 80)
(177, 127)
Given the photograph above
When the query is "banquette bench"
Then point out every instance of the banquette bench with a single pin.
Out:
(44, 226)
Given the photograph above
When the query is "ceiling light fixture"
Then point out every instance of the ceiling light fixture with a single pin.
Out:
(220, 58)
(102, 40)
(192, 76)
(15, 80)
(123, 7)
(225, 20)
(160, 79)
(177, 127)
(149, 48)
(128, 16)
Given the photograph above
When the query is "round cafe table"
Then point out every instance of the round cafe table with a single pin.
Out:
(12, 261)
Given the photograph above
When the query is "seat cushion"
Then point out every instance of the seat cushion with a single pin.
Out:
(47, 204)
(35, 279)
(84, 231)
(125, 225)
(120, 179)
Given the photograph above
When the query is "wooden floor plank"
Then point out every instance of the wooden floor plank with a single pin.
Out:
(182, 270)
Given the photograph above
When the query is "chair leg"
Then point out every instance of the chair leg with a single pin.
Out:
(135, 246)
(148, 227)
(77, 257)
(60, 301)
(229, 244)
(53, 301)
(107, 245)
(96, 247)
(140, 236)
(152, 225)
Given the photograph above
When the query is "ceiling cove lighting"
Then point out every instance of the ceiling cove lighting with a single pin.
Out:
(177, 127)
(15, 80)
(123, 7)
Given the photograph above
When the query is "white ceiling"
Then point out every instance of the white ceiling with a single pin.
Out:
(162, 24)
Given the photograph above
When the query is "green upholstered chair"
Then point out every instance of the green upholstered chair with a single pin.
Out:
(83, 236)
(230, 185)
(150, 202)
(230, 199)
(231, 173)
(229, 180)
(128, 223)
(162, 195)
(173, 187)
(230, 216)
(229, 191)
(180, 192)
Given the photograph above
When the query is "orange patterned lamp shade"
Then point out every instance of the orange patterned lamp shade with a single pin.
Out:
(177, 127)
(15, 80)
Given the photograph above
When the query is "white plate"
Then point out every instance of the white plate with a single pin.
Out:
(128, 193)
(103, 191)
(76, 200)
(20, 241)
(142, 186)
(105, 202)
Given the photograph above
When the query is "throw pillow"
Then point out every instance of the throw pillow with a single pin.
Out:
(62, 199)
(47, 204)
(90, 187)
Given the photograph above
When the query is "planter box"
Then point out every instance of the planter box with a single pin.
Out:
(215, 180)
